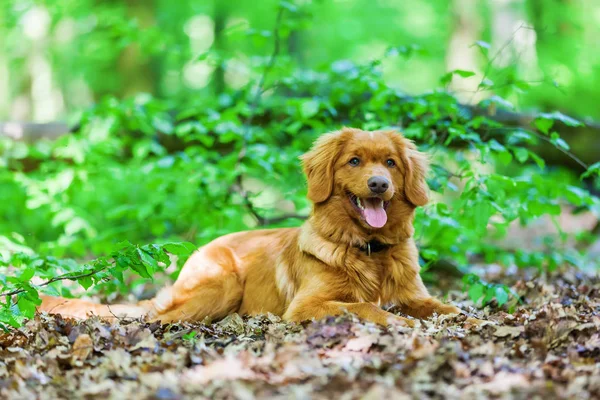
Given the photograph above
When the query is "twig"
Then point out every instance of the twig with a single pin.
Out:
(491, 61)
(248, 122)
(274, 220)
(546, 139)
(55, 279)
(448, 172)
(259, 88)
(262, 221)
(113, 314)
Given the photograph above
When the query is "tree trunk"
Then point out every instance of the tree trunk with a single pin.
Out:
(135, 68)
(220, 19)
(461, 54)
(513, 38)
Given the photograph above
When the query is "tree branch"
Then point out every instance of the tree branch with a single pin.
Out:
(30, 132)
(248, 122)
(56, 279)
(546, 139)
(260, 86)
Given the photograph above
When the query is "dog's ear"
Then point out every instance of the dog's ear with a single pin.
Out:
(416, 165)
(318, 165)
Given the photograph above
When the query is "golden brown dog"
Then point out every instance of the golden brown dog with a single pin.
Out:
(355, 252)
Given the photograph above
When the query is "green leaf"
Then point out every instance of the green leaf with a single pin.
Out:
(538, 160)
(545, 121)
(593, 169)
(447, 77)
(122, 245)
(483, 46)
(565, 119)
(482, 211)
(147, 260)
(117, 274)
(501, 295)
(405, 51)
(543, 124)
(505, 157)
(163, 124)
(463, 73)
(180, 248)
(288, 6)
(26, 306)
(309, 108)
(490, 292)
(141, 270)
(190, 335)
(558, 141)
(27, 274)
(575, 195)
(476, 291)
(86, 282)
(521, 154)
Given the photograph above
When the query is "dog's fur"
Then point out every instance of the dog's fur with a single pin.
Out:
(320, 269)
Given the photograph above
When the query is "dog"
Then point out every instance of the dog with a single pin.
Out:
(355, 251)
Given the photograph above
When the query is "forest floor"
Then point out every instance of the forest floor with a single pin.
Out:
(549, 347)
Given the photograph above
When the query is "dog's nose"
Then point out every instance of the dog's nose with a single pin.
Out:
(378, 184)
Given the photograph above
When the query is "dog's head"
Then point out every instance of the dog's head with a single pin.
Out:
(372, 178)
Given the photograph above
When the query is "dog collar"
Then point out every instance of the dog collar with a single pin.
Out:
(374, 246)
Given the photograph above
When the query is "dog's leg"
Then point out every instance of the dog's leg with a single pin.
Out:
(317, 308)
(81, 309)
(208, 286)
(424, 308)
(412, 297)
(404, 288)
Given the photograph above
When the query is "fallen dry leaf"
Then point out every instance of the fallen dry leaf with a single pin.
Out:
(229, 368)
(549, 347)
(361, 343)
(82, 347)
(510, 331)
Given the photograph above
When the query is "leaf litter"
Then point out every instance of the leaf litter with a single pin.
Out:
(548, 347)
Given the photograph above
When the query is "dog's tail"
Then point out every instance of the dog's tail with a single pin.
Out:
(81, 309)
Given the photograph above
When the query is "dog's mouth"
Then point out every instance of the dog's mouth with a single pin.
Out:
(371, 209)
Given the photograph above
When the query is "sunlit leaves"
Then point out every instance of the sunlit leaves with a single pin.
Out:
(145, 260)
(544, 124)
(545, 121)
(484, 47)
(481, 292)
(309, 108)
(447, 78)
(593, 169)
(405, 51)
(556, 140)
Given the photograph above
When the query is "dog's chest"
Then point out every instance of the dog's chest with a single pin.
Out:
(366, 274)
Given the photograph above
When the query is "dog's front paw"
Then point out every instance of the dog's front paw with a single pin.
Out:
(396, 320)
(448, 309)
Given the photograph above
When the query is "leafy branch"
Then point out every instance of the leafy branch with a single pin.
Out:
(260, 86)
(264, 221)
(247, 126)
(143, 260)
(56, 279)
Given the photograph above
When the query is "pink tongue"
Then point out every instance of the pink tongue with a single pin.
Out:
(374, 212)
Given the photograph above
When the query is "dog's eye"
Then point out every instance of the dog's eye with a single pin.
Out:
(391, 163)
(354, 161)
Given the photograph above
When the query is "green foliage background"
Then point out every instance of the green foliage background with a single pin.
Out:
(157, 159)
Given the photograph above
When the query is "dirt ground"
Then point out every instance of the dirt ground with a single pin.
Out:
(549, 347)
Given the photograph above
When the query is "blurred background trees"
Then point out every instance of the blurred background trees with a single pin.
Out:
(58, 57)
